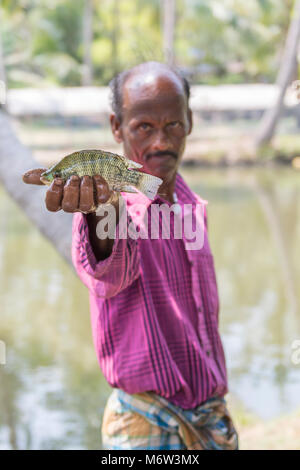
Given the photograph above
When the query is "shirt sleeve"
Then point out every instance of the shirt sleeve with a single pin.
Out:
(108, 277)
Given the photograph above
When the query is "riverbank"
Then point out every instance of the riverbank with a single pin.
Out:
(281, 433)
(217, 144)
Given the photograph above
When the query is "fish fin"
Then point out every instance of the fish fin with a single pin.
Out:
(45, 181)
(149, 185)
(132, 164)
(128, 189)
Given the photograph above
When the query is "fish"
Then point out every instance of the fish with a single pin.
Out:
(120, 173)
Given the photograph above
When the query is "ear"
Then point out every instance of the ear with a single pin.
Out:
(116, 128)
(190, 121)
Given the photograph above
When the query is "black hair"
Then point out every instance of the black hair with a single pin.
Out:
(117, 83)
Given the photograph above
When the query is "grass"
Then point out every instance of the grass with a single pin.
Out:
(281, 433)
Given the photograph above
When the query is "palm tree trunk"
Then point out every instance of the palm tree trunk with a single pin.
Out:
(15, 159)
(115, 36)
(87, 38)
(271, 117)
(169, 16)
(2, 69)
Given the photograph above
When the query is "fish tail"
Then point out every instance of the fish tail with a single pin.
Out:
(149, 184)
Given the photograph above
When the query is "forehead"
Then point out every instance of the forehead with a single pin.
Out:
(153, 91)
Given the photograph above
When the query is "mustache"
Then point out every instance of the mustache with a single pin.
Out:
(161, 153)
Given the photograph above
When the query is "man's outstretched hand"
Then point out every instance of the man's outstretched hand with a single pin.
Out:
(76, 195)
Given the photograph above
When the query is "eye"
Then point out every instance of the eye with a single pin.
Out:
(174, 124)
(145, 126)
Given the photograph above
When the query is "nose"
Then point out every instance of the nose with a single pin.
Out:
(161, 141)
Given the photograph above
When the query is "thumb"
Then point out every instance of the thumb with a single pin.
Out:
(33, 176)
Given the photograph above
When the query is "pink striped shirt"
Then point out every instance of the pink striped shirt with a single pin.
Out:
(154, 310)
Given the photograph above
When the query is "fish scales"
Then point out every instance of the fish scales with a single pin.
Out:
(119, 172)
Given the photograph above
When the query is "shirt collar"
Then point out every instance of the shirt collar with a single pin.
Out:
(184, 194)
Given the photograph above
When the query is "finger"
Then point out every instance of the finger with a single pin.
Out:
(33, 176)
(103, 193)
(70, 200)
(54, 195)
(86, 200)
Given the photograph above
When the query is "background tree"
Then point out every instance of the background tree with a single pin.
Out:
(285, 75)
(168, 20)
(87, 39)
(115, 37)
(2, 65)
(218, 41)
(15, 159)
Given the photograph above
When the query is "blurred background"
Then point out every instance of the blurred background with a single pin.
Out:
(56, 60)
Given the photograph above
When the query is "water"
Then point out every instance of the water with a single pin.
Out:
(52, 392)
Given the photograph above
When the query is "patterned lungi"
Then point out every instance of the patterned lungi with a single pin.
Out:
(149, 422)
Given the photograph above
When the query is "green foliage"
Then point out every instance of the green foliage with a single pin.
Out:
(234, 38)
(218, 41)
(59, 30)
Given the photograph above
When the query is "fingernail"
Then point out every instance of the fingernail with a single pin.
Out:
(74, 180)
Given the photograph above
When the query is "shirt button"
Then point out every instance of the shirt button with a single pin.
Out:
(208, 353)
(199, 309)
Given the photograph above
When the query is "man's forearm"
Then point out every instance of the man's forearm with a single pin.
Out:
(101, 248)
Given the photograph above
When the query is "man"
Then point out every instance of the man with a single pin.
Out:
(154, 300)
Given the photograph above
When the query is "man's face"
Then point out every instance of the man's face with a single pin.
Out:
(155, 122)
